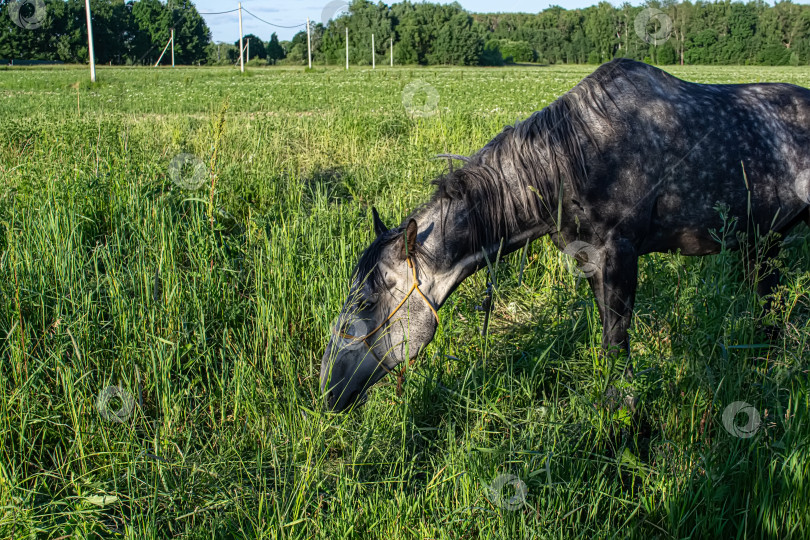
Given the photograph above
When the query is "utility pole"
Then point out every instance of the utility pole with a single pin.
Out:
(392, 52)
(309, 46)
(373, 56)
(248, 50)
(172, 47)
(241, 43)
(347, 48)
(90, 42)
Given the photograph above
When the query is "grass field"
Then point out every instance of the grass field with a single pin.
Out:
(160, 345)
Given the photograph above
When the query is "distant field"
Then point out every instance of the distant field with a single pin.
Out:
(199, 311)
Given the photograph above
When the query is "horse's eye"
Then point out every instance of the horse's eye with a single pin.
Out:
(367, 302)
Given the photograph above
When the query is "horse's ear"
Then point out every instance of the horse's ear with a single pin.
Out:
(409, 240)
(379, 226)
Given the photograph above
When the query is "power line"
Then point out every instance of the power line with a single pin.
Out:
(217, 12)
(187, 11)
(271, 24)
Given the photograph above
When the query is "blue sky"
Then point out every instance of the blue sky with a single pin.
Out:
(226, 27)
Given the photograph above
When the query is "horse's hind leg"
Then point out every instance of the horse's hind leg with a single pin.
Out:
(766, 275)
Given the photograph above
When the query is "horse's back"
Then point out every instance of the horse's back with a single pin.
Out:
(673, 153)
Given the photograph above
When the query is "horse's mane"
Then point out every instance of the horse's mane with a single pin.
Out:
(516, 177)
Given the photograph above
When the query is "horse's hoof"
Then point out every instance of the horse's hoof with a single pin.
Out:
(616, 398)
(771, 332)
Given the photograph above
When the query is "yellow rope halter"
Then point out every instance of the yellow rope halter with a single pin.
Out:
(364, 339)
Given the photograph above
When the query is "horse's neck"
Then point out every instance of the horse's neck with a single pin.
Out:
(451, 254)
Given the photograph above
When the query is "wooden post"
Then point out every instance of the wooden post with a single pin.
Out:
(309, 46)
(373, 56)
(90, 42)
(347, 48)
(172, 47)
(241, 43)
(166, 48)
(392, 52)
(247, 56)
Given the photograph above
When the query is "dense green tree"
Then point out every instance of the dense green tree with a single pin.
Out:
(517, 51)
(218, 54)
(257, 47)
(297, 53)
(492, 55)
(701, 47)
(275, 51)
(191, 32)
(665, 54)
(774, 55)
(600, 27)
(459, 42)
(154, 23)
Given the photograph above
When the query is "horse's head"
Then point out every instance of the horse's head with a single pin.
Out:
(389, 317)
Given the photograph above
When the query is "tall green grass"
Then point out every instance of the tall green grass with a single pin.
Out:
(111, 275)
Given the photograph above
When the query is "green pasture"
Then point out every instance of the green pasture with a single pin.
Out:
(196, 302)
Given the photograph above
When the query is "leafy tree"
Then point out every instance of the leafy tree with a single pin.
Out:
(221, 54)
(774, 54)
(297, 54)
(257, 48)
(191, 32)
(737, 45)
(458, 43)
(600, 25)
(275, 51)
(666, 54)
(517, 51)
(153, 22)
(492, 55)
(700, 48)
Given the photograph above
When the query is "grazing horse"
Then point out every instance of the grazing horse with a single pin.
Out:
(630, 161)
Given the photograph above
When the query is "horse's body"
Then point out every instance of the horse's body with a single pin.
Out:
(630, 161)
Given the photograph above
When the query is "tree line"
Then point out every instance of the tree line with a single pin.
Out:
(720, 32)
(131, 32)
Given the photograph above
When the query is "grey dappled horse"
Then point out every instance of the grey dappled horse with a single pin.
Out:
(630, 161)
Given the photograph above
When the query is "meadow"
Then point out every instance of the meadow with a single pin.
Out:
(162, 327)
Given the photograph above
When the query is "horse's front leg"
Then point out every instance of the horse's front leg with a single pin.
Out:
(613, 279)
(614, 284)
